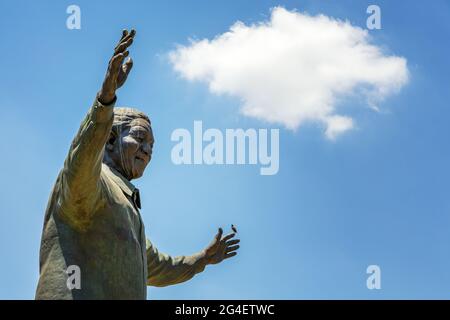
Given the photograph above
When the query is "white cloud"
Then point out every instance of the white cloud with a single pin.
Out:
(294, 68)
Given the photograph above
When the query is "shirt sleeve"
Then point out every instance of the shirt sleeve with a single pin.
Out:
(164, 270)
(80, 180)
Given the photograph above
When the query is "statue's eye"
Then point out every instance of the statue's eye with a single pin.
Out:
(139, 139)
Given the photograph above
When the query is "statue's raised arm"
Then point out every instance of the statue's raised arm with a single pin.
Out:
(117, 72)
(81, 174)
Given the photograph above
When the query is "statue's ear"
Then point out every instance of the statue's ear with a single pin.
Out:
(111, 141)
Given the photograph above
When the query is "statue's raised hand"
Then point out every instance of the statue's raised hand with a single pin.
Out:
(117, 72)
(221, 248)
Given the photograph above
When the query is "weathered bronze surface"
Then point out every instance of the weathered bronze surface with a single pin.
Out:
(92, 219)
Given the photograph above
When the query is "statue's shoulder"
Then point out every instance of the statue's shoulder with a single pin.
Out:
(108, 182)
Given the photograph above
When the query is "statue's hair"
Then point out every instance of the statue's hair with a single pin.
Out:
(124, 117)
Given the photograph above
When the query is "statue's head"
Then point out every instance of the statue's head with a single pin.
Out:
(129, 147)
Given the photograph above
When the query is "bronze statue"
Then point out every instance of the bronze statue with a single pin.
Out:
(92, 220)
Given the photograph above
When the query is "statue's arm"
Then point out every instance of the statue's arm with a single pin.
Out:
(164, 270)
(80, 183)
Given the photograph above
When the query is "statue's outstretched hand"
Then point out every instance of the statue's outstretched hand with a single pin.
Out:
(117, 72)
(221, 248)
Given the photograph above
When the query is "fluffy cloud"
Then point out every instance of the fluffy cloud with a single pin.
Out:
(294, 69)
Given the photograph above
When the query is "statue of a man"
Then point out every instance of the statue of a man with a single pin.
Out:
(92, 223)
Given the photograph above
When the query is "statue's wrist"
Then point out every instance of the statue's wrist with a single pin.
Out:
(106, 98)
(202, 259)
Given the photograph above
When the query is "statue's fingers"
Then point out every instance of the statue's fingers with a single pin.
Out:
(231, 242)
(118, 58)
(219, 234)
(123, 46)
(127, 66)
(125, 38)
(132, 33)
(124, 34)
(228, 236)
(231, 248)
(116, 61)
(229, 255)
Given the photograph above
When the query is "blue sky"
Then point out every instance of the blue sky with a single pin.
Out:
(376, 195)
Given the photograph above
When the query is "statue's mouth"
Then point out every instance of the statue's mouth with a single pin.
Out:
(143, 159)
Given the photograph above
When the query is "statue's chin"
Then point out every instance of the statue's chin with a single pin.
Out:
(137, 175)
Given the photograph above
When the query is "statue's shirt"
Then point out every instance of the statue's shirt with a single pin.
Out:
(93, 222)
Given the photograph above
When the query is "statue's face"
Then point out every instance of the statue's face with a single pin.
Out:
(136, 148)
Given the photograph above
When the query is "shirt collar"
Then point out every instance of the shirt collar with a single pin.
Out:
(126, 186)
